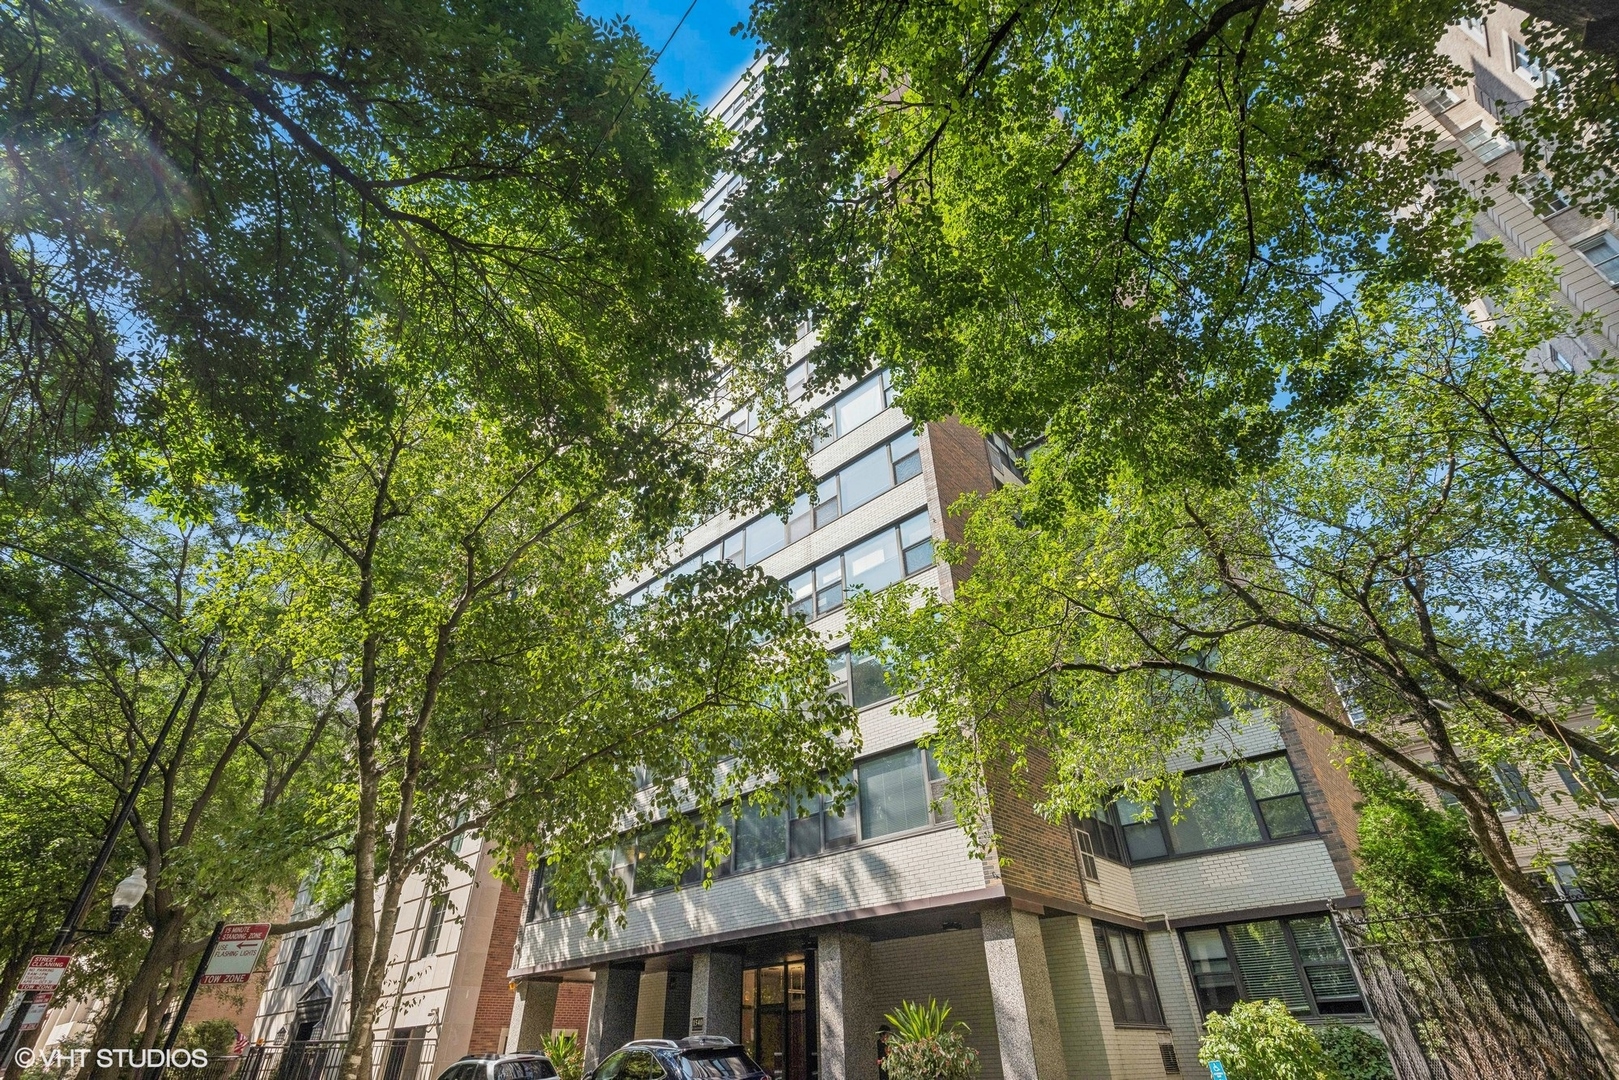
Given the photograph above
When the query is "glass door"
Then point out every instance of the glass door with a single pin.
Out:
(778, 1025)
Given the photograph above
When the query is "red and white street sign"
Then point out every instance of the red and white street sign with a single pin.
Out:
(44, 972)
(34, 1016)
(236, 953)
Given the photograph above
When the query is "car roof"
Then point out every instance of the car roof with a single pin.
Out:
(690, 1042)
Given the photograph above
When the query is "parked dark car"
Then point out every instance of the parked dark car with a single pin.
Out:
(699, 1057)
(500, 1067)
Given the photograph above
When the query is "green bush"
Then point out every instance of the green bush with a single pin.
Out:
(921, 1047)
(214, 1036)
(1261, 1040)
(1358, 1054)
(567, 1056)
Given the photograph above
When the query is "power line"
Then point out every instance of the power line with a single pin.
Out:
(636, 89)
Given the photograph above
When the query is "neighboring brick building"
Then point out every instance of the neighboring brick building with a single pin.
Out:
(446, 993)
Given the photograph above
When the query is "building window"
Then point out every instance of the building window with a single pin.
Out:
(434, 926)
(318, 961)
(875, 563)
(1102, 836)
(539, 900)
(1298, 961)
(859, 678)
(896, 793)
(652, 869)
(760, 838)
(1486, 142)
(1536, 190)
(1527, 66)
(1475, 28)
(1516, 798)
(1131, 993)
(853, 407)
(295, 955)
(1438, 99)
(1229, 806)
(1603, 251)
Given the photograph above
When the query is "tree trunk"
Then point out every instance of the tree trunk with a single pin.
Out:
(118, 1030)
(1563, 965)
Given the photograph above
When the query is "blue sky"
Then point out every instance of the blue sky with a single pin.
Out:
(704, 58)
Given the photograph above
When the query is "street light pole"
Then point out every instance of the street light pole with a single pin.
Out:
(70, 926)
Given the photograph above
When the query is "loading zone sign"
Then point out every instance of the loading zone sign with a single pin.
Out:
(236, 953)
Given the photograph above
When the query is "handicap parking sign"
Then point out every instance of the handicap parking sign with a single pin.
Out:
(1216, 1071)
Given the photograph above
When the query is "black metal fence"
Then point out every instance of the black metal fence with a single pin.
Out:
(391, 1059)
(1462, 995)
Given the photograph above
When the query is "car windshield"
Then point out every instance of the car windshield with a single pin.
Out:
(725, 1063)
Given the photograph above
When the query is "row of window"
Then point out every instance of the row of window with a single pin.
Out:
(293, 971)
(1299, 961)
(1231, 805)
(852, 486)
(876, 562)
(895, 792)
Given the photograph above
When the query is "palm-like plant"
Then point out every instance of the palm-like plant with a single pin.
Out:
(920, 1047)
(917, 1023)
(567, 1056)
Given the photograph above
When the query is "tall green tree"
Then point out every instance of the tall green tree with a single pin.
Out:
(462, 581)
(130, 617)
(1442, 548)
(1129, 229)
(204, 203)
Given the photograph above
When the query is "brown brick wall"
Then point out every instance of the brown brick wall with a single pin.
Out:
(495, 994)
(573, 1007)
(1036, 856)
(955, 460)
(1327, 790)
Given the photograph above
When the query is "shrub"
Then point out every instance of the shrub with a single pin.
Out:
(1261, 1040)
(922, 1048)
(1358, 1054)
(214, 1036)
(567, 1056)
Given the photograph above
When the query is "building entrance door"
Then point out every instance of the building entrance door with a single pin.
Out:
(778, 1017)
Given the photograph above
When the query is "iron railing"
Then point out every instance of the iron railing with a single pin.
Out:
(1462, 995)
(391, 1059)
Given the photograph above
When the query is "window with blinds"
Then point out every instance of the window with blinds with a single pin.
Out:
(1131, 993)
(1299, 961)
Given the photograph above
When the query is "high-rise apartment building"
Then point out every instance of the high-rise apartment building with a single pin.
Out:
(1068, 951)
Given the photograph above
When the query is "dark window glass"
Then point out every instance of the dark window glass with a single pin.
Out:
(893, 793)
(1143, 833)
(652, 870)
(869, 681)
(761, 839)
(1211, 971)
(538, 902)
(613, 1067)
(1087, 854)
(916, 539)
(1218, 815)
(1131, 993)
(1105, 838)
(1266, 964)
(434, 925)
(641, 1065)
(804, 830)
(829, 586)
(1515, 794)
(1326, 966)
(1276, 791)
(318, 961)
(295, 955)
(720, 1064)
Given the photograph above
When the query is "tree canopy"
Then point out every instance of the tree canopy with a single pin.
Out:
(1438, 551)
(207, 203)
(1128, 229)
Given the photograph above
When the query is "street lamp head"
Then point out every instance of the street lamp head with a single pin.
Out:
(127, 894)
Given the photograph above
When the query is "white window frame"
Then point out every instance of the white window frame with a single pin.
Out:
(1608, 265)
(1491, 147)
